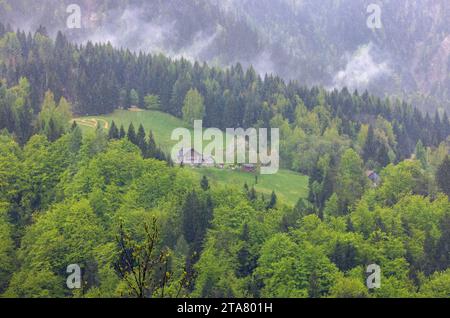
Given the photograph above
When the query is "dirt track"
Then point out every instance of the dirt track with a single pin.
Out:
(92, 123)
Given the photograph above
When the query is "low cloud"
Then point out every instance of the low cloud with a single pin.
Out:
(200, 45)
(361, 69)
(131, 29)
(264, 64)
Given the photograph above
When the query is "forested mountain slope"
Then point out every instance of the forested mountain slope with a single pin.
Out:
(89, 200)
(97, 79)
(323, 43)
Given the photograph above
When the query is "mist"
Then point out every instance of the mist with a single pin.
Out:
(325, 43)
(361, 69)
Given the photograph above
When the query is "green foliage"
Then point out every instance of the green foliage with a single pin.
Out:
(68, 199)
(6, 247)
(66, 234)
(193, 107)
(204, 183)
(437, 286)
(282, 269)
(349, 287)
(398, 181)
(16, 110)
(421, 154)
(443, 175)
(197, 215)
(161, 125)
(71, 195)
(113, 131)
(134, 98)
(351, 180)
(54, 120)
(152, 102)
(131, 134)
(288, 185)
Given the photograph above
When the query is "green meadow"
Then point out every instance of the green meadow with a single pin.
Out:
(161, 124)
(289, 185)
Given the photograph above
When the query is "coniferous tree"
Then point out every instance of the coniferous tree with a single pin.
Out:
(437, 132)
(421, 154)
(204, 183)
(76, 139)
(443, 175)
(113, 131)
(382, 157)
(252, 194)
(429, 249)
(197, 215)
(179, 91)
(445, 126)
(74, 125)
(370, 147)
(344, 256)
(152, 151)
(190, 223)
(131, 134)
(247, 262)
(140, 140)
(273, 201)
(52, 131)
(443, 245)
(122, 133)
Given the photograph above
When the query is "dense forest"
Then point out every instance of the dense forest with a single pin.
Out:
(90, 201)
(97, 79)
(323, 42)
(141, 227)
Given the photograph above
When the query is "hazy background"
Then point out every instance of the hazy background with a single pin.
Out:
(317, 42)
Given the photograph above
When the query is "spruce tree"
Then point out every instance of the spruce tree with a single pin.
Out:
(383, 155)
(131, 135)
(443, 246)
(204, 183)
(151, 151)
(246, 189)
(344, 256)
(122, 133)
(52, 132)
(445, 125)
(421, 153)
(443, 176)
(76, 140)
(140, 140)
(247, 263)
(113, 131)
(370, 147)
(273, 201)
(74, 125)
(437, 129)
(190, 210)
(252, 194)
(197, 214)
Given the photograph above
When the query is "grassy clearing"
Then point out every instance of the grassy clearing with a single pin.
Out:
(161, 124)
(288, 185)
